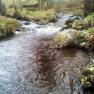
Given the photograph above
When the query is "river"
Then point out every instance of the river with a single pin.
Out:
(29, 64)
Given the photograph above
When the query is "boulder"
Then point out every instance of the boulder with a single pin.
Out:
(78, 24)
(65, 38)
(69, 23)
(87, 76)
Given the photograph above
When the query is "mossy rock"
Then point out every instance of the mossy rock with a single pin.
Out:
(78, 24)
(65, 38)
(87, 77)
(85, 39)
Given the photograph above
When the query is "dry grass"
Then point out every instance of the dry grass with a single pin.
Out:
(7, 26)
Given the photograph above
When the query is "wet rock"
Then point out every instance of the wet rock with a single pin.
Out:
(53, 19)
(75, 17)
(87, 77)
(69, 23)
(71, 20)
(19, 29)
(79, 25)
(27, 23)
(64, 27)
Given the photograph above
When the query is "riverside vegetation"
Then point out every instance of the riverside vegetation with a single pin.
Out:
(8, 26)
(80, 34)
(25, 11)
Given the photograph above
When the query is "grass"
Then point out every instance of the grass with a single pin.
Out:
(89, 20)
(86, 23)
(7, 26)
(90, 30)
(38, 15)
(27, 13)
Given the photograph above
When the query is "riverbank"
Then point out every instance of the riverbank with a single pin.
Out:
(77, 32)
(41, 16)
(8, 26)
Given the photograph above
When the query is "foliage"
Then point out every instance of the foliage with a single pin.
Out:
(7, 26)
(11, 26)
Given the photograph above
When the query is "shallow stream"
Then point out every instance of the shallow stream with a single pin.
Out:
(29, 64)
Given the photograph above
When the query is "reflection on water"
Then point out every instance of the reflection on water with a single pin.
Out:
(57, 70)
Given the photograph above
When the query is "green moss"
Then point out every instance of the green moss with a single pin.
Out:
(90, 30)
(87, 77)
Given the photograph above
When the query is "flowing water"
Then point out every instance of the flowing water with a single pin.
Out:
(30, 65)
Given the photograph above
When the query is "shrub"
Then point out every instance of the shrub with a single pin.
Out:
(8, 26)
(11, 26)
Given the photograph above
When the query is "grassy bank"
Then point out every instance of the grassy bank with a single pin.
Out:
(7, 26)
(43, 16)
